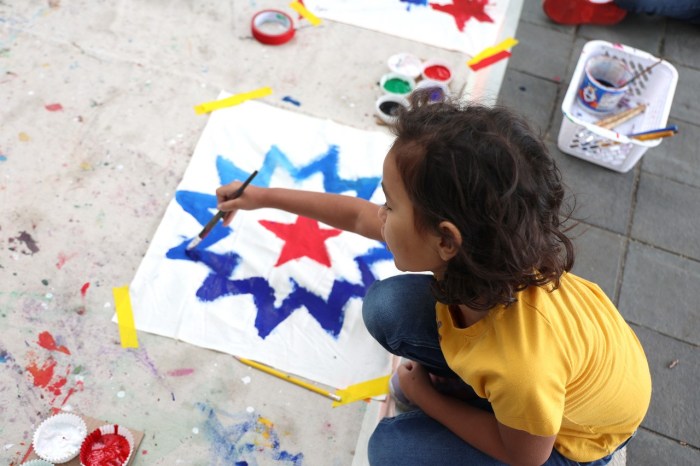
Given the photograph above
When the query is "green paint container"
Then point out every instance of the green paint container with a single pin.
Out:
(398, 84)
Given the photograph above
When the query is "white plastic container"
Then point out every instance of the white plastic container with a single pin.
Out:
(581, 137)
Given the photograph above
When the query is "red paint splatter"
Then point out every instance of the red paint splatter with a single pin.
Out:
(84, 289)
(54, 107)
(46, 340)
(144, 452)
(63, 258)
(464, 10)
(180, 372)
(42, 375)
(78, 387)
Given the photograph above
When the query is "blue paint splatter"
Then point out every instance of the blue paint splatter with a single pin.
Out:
(329, 313)
(4, 357)
(410, 3)
(2, 158)
(292, 101)
(246, 439)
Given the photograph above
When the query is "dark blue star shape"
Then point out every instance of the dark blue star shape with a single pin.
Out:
(328, 313)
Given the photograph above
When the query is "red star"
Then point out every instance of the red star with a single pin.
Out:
(303, 238)
(464, 10)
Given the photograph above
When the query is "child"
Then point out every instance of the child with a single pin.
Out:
(554, 373)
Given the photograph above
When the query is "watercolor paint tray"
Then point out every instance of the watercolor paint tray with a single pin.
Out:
(92, 424)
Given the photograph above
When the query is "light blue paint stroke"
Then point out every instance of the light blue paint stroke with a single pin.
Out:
(236, 443)
(325, 164)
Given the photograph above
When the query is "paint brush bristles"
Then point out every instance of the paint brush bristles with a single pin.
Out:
(220, 214)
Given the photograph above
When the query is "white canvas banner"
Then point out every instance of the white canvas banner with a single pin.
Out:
(273, 287)
(467, 26)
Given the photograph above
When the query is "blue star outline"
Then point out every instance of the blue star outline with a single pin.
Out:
(328, 313)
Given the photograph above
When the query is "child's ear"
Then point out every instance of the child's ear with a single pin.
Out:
(450, 240)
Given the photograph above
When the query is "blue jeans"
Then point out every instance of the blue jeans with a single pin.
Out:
(684, 10)
(400, 313)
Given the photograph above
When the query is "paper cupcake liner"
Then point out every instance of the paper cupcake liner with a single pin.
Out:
(95, 450)
(58, 438)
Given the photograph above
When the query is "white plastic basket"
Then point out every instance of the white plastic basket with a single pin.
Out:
(579, 136)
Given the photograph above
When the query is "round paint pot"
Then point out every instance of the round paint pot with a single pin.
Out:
(437, 70)
(108, 444)
(58, 438)
(397, 83)
(387, 107)
(438, 90)
(405, 64)
(605, 82)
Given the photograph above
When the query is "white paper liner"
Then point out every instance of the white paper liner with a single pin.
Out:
(119, 430)
(58, 438)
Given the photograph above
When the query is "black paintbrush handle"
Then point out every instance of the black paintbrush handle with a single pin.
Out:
(220, 214)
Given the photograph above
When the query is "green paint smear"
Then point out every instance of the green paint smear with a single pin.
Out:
(397, 86)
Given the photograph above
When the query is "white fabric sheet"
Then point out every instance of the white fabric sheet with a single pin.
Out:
(301, 316)
(467, 26)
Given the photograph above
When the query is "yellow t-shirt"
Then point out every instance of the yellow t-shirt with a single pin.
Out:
(563, 362)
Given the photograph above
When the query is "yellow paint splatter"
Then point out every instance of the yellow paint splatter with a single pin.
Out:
(85, 166)
(24, 137)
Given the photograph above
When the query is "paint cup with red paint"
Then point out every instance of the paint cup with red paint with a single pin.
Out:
(388, 106)
(397, 84)
(109, 444)
(436, 69)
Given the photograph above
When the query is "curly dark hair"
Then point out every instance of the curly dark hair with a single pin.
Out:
(486, 171)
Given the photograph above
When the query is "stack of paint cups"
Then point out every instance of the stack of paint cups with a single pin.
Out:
(409, 73)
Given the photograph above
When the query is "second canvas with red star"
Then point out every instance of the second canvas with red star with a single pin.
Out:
(274, 287)
(467, 26)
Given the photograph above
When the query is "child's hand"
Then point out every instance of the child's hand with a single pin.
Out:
(415, 382)
(250, 199)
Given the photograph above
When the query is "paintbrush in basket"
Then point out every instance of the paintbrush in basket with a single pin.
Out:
(219, 215)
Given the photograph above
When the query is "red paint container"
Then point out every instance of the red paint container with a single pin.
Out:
(437, 70)
(109, 445)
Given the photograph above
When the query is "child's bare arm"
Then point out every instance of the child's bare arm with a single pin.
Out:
(344, 212)
(477, 427)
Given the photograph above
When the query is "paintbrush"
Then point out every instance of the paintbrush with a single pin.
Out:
(220, 214)
(645, 136)
(289, 378)
(645, 70)
(619, 118)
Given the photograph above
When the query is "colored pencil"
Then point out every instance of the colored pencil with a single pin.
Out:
(220, 214)
(289, 378)
(673, 128)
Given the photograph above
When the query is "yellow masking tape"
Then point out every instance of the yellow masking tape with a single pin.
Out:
(208, 107)
(301, 9)
(363, 390)
(125, 317)
(487, 52)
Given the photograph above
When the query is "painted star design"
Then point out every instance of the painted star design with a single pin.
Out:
(464, 10)
(303, 238)
(328, 312)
